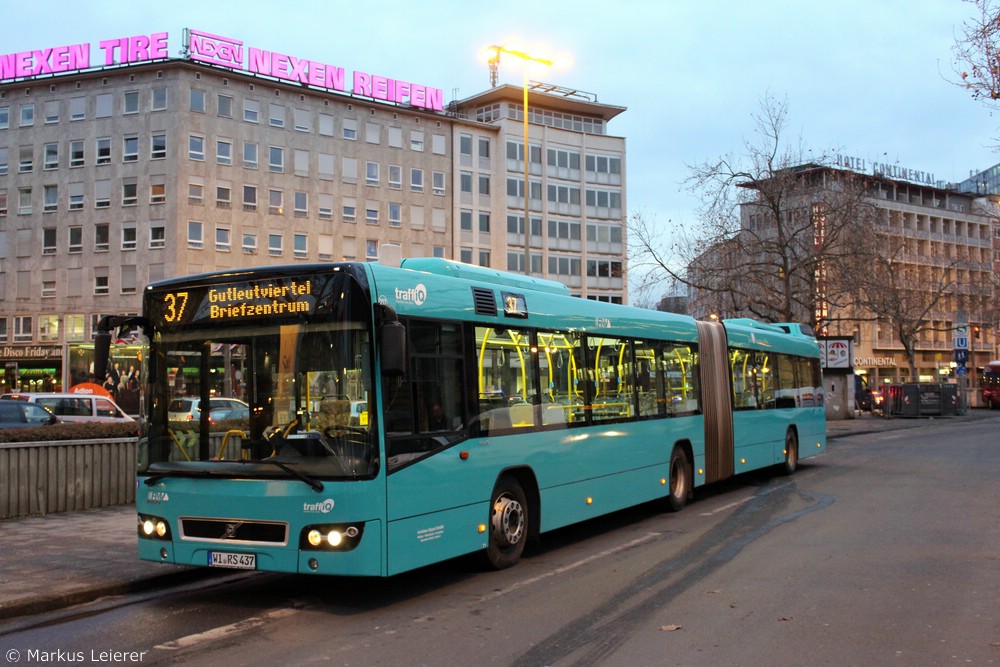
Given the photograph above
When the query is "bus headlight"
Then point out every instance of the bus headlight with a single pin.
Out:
(153, 528)
(331, 537)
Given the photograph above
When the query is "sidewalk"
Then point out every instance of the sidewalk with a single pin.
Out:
(61, 560)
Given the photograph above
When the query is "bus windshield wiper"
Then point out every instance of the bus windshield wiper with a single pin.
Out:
(315, 485)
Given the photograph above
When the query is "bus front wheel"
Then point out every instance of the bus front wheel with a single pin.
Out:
(680, 480)
(791, 453)
(508, 526)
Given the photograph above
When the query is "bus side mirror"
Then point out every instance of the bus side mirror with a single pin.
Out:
(392, 346)
(102, 350)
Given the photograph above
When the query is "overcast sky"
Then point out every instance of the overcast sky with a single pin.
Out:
(865, 78)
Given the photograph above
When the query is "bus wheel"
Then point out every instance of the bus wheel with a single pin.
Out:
(508, 527)
(680, 480)
(791, 453)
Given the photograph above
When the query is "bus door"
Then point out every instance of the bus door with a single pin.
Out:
(716, 401)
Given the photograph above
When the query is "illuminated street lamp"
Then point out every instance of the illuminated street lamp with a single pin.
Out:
(494, 61)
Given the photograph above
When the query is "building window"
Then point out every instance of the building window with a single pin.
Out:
(325, 207)
(103, 150)
(300, 246)
(249, 197)
(395, 177)
(371, 215)
(196, 194)
(50, 198)
(484, 223)
(130, 149)
(75, 196)
(24, 199)
(22, 329)
(4, 121)
(224, 151)
(4, 160)
(484, 184)
(484, 258)
(3, 203)
(101, 285)
(51, 112)
(276, 159)
(349, 213)
(102, 194)
(223, 196)
(350, 129)
(76, 153)
(197, 101)
(51, 157)
(27, 115)
(128, 279)
(129, 238)
(158, 146)
(276, 202)
(417, 180)
(326, 124)
(484, 148)
(465, 144)
(249, 243)
(77, 108)
(465, 181)
(159, 99)
(395, 215)
(251, 111)
(301, 202)
(157, 193)
(416, 141)
(157, 237)
(225, 106)
(196, 147)
(102, 238)
(275, 243)
(371, 250)
(301, 119)
(250, 155)
(104, 105)
(74, 328)
(75, 239)
(465, 221)
(276, 115)
(372, 173)
(130, 102)
(195, 235)
(49, 240)
(222, 239)
(130, 192)
(26, 163)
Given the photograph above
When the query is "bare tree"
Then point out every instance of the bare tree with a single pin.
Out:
(977, 52)
(780, 235)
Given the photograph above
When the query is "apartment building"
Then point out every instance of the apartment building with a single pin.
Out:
(151, 167)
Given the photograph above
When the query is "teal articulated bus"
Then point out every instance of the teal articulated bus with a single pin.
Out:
(402, 415)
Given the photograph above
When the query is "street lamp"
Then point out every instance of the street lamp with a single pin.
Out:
(494, 61)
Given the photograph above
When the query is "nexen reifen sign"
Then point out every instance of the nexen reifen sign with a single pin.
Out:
(220, 52)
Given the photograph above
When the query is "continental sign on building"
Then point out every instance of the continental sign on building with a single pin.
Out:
(221, 52)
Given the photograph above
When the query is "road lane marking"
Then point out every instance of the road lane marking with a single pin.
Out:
(572, 566)
(215, 634)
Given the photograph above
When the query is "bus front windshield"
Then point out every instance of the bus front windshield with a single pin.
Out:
(269, 397)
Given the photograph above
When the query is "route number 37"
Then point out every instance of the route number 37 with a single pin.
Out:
(175, 303)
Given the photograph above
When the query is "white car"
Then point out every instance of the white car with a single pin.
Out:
(188, 408)
(75, 407)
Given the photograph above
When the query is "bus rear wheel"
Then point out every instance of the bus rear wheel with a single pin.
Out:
(791, 453)
(680, 480)
(508, 526)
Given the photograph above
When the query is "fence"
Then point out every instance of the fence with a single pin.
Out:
(46, 477)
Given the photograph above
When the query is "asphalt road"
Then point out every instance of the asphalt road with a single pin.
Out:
(885, 550)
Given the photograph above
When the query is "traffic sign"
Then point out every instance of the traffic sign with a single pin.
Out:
(961, 343)
(961, 356)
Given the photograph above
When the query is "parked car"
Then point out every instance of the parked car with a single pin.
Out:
(21, 414)
(217, 415)
(75, 407)
(188, 408)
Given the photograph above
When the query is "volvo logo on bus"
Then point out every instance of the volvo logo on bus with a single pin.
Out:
(415, 295)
